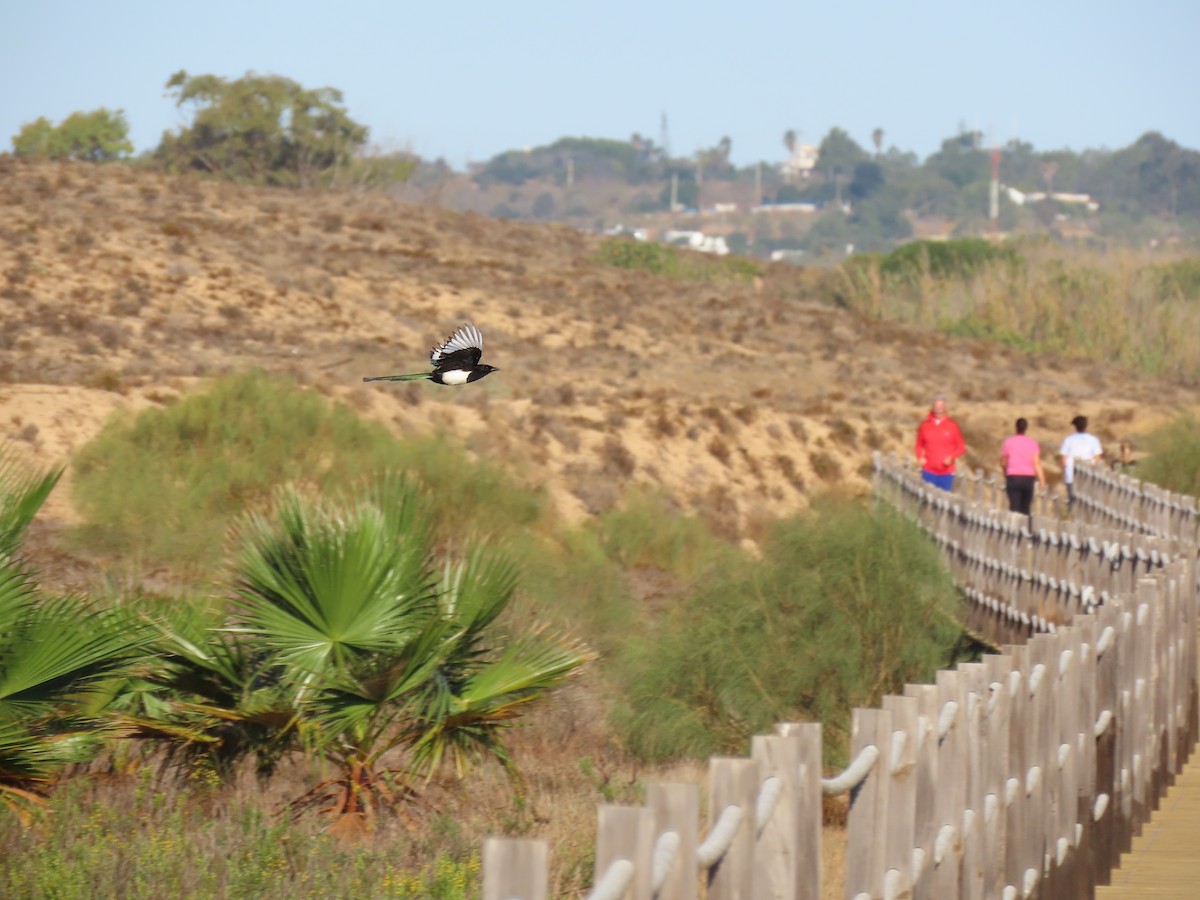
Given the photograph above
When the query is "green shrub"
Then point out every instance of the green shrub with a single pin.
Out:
(499, 504)
(97, 136)
(846, 606)
(671, 262)
(644, 531)
(569, 582)
(959, 258)
(164, 485)
(1177, 280)
(1174, 460)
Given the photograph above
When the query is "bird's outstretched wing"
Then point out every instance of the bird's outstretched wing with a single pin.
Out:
(461, 350)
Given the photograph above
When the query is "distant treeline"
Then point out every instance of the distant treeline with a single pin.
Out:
(267, 129)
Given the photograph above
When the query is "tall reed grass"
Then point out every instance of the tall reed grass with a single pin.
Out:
(1130, 308)
(1174, 456)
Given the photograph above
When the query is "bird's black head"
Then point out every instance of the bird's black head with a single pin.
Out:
(482, 370)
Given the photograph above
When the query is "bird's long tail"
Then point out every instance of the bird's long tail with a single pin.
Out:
(420, 376)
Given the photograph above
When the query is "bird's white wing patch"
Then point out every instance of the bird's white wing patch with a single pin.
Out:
(464, 339)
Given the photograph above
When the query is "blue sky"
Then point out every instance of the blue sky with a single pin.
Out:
(467, 80)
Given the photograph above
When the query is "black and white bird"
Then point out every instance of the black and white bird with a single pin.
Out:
(456, 361)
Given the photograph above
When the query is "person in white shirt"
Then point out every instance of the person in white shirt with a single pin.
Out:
(1079, 445)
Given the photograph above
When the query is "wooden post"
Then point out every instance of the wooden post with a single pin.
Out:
(926, 827)
(1044, 652)
(1087, 627)
(776, 863)
(1064, 844)
(1142, 709)
(866, 840)
(677, 808)
(1107, 616)
(515, 869)
(995, 771)
(902, 791)
(626, 833)
(1016, 802)
(1126, 731)
(806, 807)
(950, 797)
(733, 782)
(973, 678)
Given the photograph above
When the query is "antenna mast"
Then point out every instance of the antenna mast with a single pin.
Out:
(994, 192)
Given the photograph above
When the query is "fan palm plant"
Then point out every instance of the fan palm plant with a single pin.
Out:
(386, 652)
(205, 697)
(52, 652)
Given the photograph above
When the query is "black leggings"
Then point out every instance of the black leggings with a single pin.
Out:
(1020, 492)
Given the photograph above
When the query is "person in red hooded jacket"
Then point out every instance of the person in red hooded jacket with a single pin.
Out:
(939, 444)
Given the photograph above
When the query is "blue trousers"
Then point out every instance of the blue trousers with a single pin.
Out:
(945, 482)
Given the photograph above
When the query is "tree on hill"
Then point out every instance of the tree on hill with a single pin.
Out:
(97, 136)
(839, 153)
(264, 129)
(1152, 176)
(960, 160)
(590, 159)
(868, 179)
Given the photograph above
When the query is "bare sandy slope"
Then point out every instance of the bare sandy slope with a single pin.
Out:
(121, 288)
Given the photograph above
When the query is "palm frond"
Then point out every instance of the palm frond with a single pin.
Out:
(321, 588)
(60, 645)
(206, 695)
(22, 493)
(476, 590)
(470, 722)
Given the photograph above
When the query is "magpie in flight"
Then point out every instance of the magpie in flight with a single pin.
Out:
(455, 362)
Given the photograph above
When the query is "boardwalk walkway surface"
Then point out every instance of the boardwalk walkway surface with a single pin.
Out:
(1165, 859)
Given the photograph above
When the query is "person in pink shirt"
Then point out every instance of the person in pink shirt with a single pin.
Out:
(1021, 459)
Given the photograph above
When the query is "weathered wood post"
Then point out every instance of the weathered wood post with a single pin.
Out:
(866, 824)
(973, 679)
(997, 726)
(733, 782)
(1015, 799)
(514, 868)
(950, 797)
(902, 791)
(626, 833)
(677, 808)
(788, 852)
(926, 696)
(1086, 626)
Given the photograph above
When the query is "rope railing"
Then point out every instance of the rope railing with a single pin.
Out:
(1024, 773)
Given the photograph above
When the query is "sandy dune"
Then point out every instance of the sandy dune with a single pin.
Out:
(121, 288)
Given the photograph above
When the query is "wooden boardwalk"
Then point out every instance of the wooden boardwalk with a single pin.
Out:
(1164, 861)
